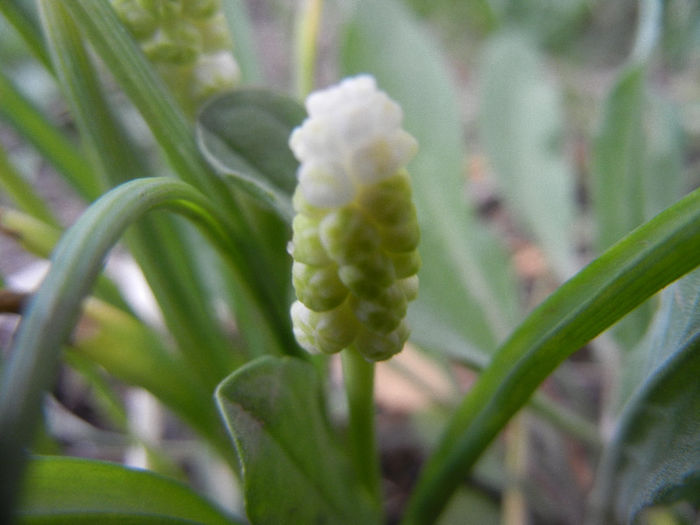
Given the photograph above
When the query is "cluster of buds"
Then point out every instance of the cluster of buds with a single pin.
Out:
(356, 232)
(189, 43)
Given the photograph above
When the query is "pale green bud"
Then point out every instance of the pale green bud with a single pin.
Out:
(356, 230)
(377, 347)
(326, 332)
(142, 22)
(200, 8)
(178, 42)
(319, 288)
(189, 43)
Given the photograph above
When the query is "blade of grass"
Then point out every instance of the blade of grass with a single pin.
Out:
(33, 125)
(243, 46)
(21, 192)
(53, 310)
(632, 270)
(26, 25)
(89, 491)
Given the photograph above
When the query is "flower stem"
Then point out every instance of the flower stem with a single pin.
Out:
(359, 388)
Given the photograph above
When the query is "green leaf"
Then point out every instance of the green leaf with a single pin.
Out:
(637, 171)
(54, 308)
(521, 124)
(465, 282)
(244, 136)
(618, 160)
(132, 352)
(255, 294)
(23, 18)
(291, 466)
(654, 457)
(243, 45)
(28, 120)
(22, 192)
(642, 263)
(156, 242)
(71, 490)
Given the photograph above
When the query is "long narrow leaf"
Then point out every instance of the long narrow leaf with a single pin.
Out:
(54, 308)
(26, 25)
(33, 125)
(642, 263)
(21, 192)
(173, 133)
(157, 244)
(71, 490)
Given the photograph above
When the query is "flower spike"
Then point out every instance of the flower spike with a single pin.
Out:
(355, 233)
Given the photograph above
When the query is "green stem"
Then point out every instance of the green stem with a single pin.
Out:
(308, 22)
(359, 388)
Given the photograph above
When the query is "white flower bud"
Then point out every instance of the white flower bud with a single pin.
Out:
(356, 129)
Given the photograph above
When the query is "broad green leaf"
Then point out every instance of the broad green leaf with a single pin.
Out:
(678, 312)
(654, 457)
(244, 136)
(54, 308)
(642, 263)
(62, 490)
(663, 165)
(465, 282)
(522, 127)
(292, 469)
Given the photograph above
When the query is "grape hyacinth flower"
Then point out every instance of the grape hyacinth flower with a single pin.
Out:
(188, 42)
(356, 232)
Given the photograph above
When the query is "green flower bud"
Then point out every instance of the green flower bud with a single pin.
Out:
(356, 232)
(176, 43)
(319, 287)
(201, 8)
(326, 332)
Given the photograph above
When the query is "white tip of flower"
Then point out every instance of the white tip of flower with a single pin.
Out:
(356, 128)
(325, 185)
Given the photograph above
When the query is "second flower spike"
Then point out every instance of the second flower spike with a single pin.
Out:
(355, 233)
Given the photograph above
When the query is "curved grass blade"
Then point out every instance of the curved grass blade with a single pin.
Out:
(157, 243)
(255, 291)
(71, 490)
(54, 309)
(642, 263)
